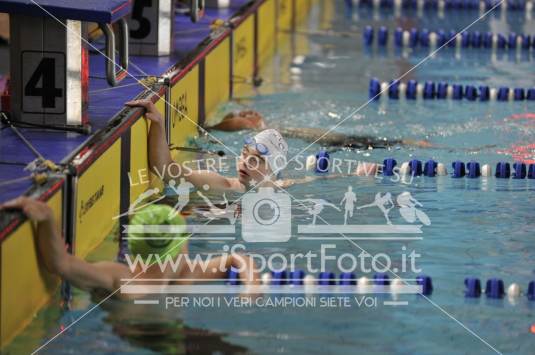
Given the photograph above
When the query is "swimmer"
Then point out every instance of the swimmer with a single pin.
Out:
(108, 275)
(252, 120)
(262, 158)
(240, 120)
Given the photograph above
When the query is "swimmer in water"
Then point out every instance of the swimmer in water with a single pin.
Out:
(262, 158)
(106, 277)
(252, 120)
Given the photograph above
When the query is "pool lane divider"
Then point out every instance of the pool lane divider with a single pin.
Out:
(429, 90)
(320, 163)
(441, 5)
(494, 287)
(424, 38)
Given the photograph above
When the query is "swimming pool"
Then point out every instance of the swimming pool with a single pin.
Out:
(480, 228)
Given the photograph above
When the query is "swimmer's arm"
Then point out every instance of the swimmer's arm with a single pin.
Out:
(365, 169)
(162, 164)
(55, 257)
(215, 181)
(159, 154)
(217, 268)
(238, 121)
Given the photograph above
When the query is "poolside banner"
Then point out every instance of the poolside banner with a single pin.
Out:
(97, 197)
(184, 108)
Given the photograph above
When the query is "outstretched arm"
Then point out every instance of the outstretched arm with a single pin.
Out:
(239, 121)
(56, 259)
(217, 268)
(363, 169)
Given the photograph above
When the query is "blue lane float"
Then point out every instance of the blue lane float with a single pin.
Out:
(389, 165)
(430, 168)
(459, 170)
(322, 162)
(423, 38)
(412, 90)
(296, 277)
(381, 279)
(472, 287)
(327, 279)
(471, 169)
(441, 5)
(427, 284)
(348, 279)
(503, 170)
(494, 287)
(531, 291)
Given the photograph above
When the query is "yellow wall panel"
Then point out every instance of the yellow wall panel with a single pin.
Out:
(217, 78)
(26, 285)
(327, 14)
(243, 53)
(185, 111)
(97, 200)
(284, 13)
(301, 10)
(266, 31)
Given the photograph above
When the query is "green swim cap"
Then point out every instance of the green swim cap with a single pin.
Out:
(145, 243)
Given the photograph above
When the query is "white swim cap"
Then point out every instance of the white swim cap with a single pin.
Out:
(277, 148)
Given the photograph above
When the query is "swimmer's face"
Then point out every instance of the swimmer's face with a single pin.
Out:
(252, 166)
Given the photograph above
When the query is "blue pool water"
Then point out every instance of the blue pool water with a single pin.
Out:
(479, 228)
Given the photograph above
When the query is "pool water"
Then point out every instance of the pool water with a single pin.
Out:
(479, 228)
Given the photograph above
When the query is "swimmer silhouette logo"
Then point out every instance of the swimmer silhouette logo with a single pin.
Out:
(266, 216)
(408, 210)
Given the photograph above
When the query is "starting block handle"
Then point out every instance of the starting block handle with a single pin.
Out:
(112, 76)
(197, 10)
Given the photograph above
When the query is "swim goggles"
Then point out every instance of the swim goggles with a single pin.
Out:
(261, 148)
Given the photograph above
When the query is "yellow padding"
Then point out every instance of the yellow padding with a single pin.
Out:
(184, 113)
(243, 53)
(217, 79)
(97, 200)
(302, 7)
(284, 13)
(25, 284)
(266, 31)
(327, 14)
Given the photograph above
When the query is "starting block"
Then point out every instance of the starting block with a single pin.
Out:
(49, 61)
(151, 27)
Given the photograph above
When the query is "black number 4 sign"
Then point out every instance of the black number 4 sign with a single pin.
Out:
(43, 82)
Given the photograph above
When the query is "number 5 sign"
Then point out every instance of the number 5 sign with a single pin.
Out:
(151, 27)
(43, 82)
